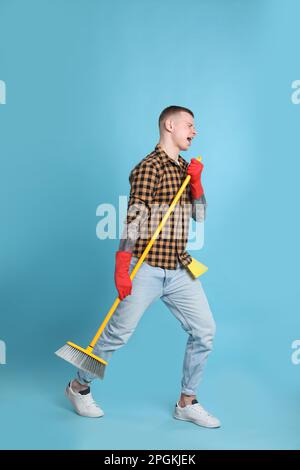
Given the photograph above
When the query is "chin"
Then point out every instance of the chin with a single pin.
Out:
(184, 147)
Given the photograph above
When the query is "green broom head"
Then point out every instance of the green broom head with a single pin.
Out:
(83, 359)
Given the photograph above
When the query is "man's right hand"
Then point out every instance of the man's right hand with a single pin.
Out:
(122, 279)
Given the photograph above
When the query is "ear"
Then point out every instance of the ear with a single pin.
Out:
(169, 124)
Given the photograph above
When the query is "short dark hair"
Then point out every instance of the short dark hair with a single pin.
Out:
(171, 110)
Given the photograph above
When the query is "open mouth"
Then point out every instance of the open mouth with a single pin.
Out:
(189, 139)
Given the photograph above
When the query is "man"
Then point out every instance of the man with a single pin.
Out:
(154, 183)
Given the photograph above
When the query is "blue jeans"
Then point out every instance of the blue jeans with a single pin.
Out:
(185, 298)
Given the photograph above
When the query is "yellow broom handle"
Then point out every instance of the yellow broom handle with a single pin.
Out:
(143, 256)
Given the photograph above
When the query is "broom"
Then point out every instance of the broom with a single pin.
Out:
(84, 358)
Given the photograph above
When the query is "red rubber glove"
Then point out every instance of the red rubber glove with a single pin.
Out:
(122, 279)
(194, 170)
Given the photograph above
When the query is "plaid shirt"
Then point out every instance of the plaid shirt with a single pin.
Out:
(155, 181)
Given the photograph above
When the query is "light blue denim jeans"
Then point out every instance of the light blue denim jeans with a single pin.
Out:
(185, 298)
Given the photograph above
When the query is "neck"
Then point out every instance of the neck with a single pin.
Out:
(171, 150)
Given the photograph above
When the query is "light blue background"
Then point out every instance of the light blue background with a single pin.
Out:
(86, 81)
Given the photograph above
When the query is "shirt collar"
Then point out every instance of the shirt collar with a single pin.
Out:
(165, 156)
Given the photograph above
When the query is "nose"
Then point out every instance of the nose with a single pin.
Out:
(194, 132)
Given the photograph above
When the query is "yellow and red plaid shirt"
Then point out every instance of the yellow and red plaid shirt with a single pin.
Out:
(154, 182)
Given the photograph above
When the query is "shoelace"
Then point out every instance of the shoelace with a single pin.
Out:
(90, 401)
(201, 409)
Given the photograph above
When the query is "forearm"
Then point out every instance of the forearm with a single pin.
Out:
(127, 241)
(135, 226)
(199, 208)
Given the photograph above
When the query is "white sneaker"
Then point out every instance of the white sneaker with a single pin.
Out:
(84, 403)
(196, 414)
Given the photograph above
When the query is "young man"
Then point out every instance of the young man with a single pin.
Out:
(154, 184)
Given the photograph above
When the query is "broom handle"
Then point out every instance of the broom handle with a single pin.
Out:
(142, 257)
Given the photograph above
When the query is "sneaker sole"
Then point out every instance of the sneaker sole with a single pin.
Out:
(198, 424)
